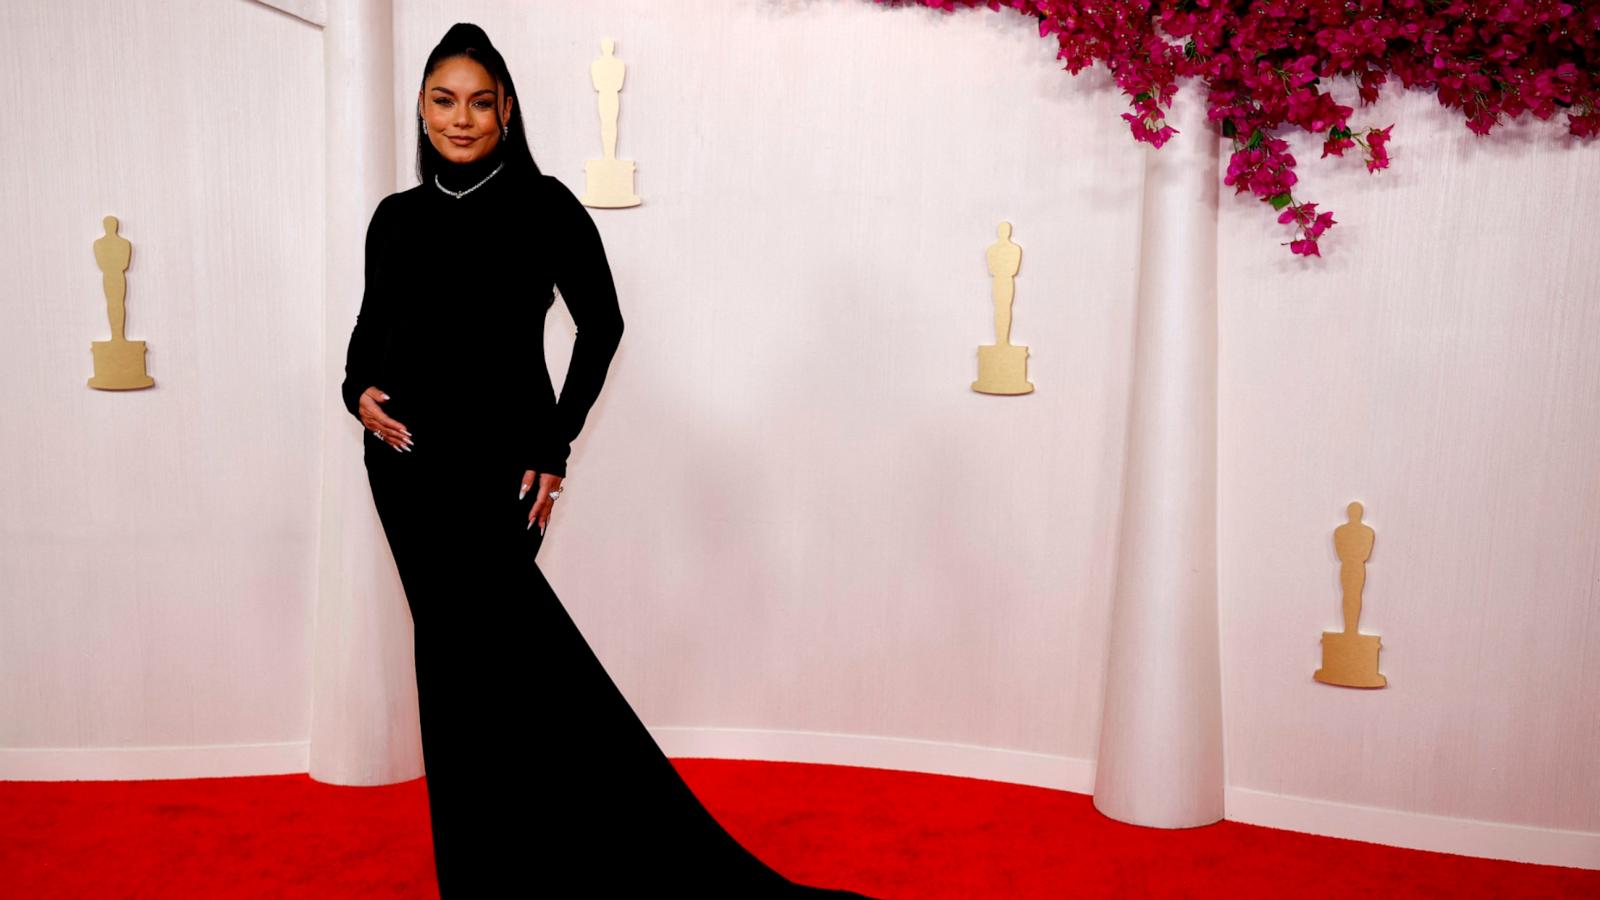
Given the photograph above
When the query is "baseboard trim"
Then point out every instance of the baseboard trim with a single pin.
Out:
(141, 763)
(1062, 773)
(1391, 827)
(1416, 831)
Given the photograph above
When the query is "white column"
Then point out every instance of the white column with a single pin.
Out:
(1160, 759)
(363, 692)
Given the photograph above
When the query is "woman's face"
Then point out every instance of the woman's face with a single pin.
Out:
(458, 103)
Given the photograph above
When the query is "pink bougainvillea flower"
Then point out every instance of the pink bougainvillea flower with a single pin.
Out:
(1148, 131)
(1377, 150)
(1339, 140)
(1268, 65)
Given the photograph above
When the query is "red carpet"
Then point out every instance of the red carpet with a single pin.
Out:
(890, 834)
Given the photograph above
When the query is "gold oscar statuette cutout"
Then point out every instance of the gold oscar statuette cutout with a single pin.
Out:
(609, 181)
(1003, 366)
(118, 363)
(1350, 659)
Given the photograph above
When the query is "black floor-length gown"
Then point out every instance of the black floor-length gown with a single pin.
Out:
(542, 781)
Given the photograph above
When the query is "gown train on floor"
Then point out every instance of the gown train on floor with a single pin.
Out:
(538, 769)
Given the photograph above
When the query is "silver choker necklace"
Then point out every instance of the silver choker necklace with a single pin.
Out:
(462, 193)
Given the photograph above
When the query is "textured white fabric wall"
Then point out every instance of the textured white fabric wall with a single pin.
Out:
(788, 513)
(1442, 366)
(157, 569)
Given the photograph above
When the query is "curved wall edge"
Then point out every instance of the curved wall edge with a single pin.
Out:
(313, 12)
(363, 686)
(1161, 719)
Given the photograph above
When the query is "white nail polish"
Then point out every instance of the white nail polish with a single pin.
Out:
(522, 493)
(530, 526)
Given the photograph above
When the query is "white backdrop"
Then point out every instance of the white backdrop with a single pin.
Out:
(1442, 366)
(792, 529)
(792, 511)
(158, 565)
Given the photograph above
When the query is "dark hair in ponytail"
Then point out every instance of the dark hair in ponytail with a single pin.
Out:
(470, 41)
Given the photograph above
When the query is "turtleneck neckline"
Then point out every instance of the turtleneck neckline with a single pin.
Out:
(460, 176)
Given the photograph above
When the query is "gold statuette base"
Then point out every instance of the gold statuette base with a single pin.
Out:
(119, 366)
(1002, 369)
(1350, 660)
(609, 184)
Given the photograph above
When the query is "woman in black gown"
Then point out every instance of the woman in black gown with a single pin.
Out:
(541, 778)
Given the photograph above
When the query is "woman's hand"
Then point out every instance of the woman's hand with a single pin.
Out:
(543, 502)
(378, 422)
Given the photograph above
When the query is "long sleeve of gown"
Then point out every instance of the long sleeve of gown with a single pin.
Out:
(364, 357)
(583, 277)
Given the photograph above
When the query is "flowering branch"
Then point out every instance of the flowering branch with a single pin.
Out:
(1266, 66)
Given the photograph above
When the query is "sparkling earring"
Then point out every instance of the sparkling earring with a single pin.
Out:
(424, 129)
(505, 132)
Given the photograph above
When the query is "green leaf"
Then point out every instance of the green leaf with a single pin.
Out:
(1255, 140)
(1189, 49)
(1280, 201)
(1228, 129)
